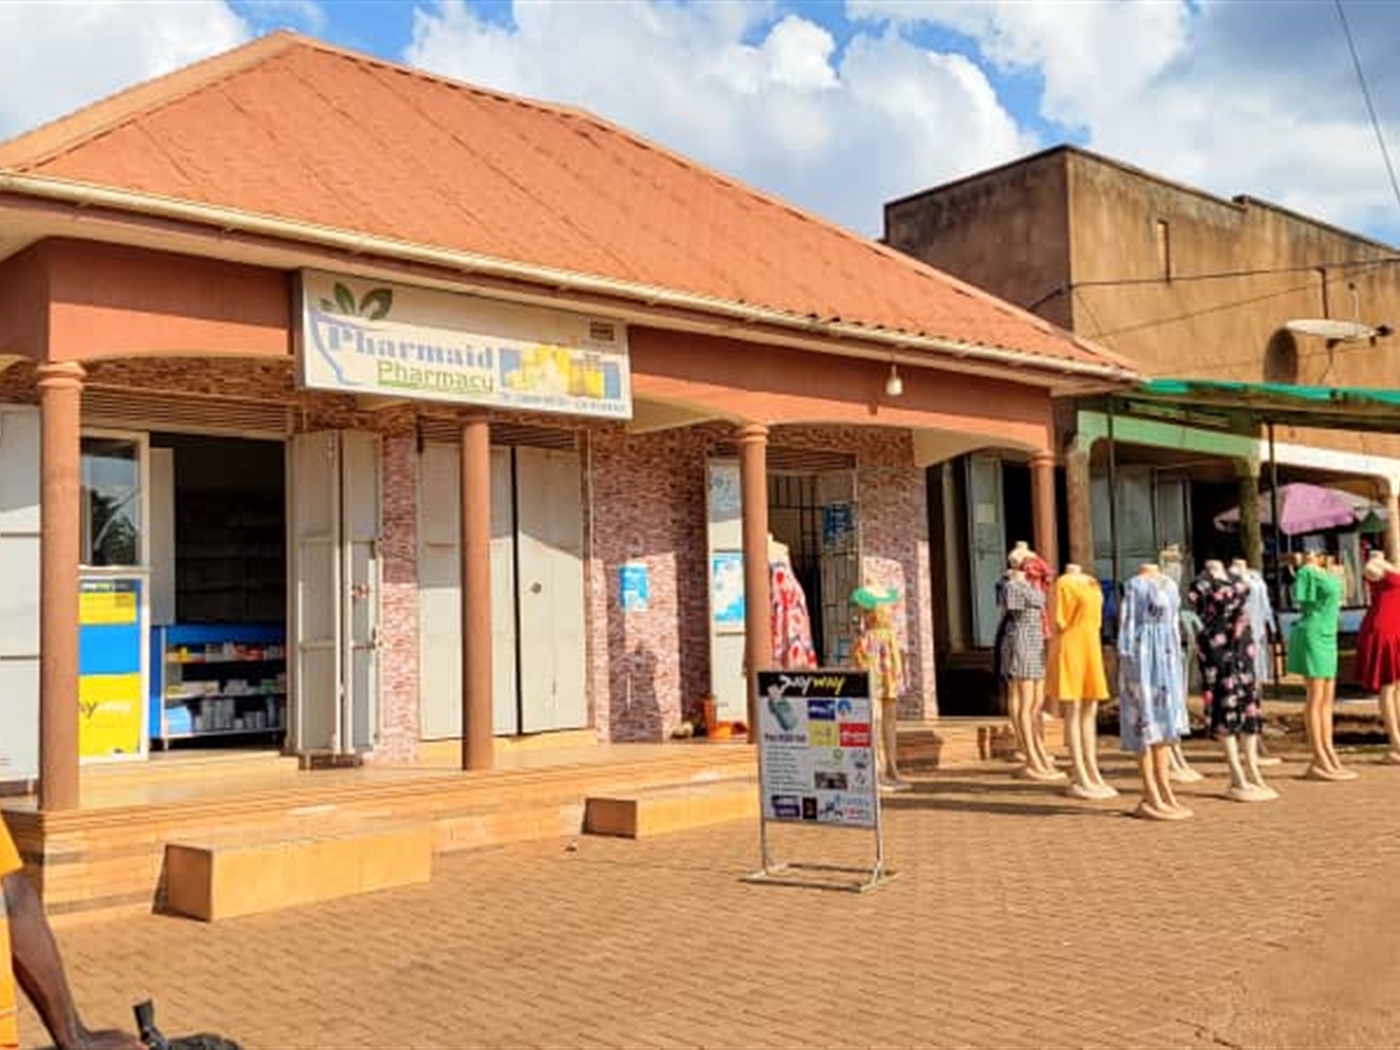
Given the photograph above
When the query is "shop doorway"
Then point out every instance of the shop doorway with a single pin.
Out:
(335, 592)
(538, 657)
(218, 591)
(814, 516)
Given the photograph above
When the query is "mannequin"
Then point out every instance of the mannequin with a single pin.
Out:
(1151, 698)
(1023, 659)
(1264, 626)
(1079, 677)
(1312, 653)
(791, 625)
(877, 651)
(1169, 561)
(1378, 646)
(1040, 576)
(1225, 651)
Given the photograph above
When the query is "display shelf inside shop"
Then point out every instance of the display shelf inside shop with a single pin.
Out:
(217, 680)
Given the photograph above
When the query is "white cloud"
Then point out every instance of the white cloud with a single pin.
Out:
(1258, 99)
(55, 58)
(766, 97)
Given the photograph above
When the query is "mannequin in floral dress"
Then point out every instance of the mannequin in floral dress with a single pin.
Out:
(1170, 563)
(792, 627)
(877, 651)
(1151, 687)
(1225, 651)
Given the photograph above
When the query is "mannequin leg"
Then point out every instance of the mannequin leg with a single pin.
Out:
(1312, 722)
(1158, 802)
(1152, 805)
(1163, 772)
(1042, 752)
(1329, 700)
(1038, 765)
(1390, 711)
(889, 736)
(1241, 789)
(1014, 703)
(1251, 768)
(1080, 785)
(1088, 715)
(1180, 769)
(1266, 759)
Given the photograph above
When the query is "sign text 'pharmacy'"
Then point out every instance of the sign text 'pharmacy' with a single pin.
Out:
(366, 337)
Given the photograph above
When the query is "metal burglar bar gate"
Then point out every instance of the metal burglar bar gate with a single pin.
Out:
(816, 767)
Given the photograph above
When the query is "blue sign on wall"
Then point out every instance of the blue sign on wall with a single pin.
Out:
(636, 588)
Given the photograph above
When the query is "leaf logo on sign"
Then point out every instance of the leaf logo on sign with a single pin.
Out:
(375, 304)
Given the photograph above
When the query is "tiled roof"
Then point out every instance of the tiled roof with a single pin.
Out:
(292, 128)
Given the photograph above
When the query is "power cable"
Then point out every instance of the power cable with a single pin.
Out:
(1212, 309)
(1218, 275)
(1366, 94)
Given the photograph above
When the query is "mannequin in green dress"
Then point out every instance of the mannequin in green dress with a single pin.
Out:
(1312, 653)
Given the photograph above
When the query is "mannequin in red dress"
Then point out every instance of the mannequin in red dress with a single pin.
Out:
(1378, 646)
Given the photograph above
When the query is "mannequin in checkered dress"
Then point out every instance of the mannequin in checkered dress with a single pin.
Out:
(1023, 662)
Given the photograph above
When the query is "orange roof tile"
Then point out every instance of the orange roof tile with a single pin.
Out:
(296, 129)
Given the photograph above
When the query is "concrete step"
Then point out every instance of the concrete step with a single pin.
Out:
(293, 862)
(655, 811)
(952, 743)
(169, 766)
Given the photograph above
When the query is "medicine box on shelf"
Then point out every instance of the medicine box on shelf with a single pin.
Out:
(209, 680)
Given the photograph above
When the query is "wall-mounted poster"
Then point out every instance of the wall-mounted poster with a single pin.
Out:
(727, 591)
(111, 693)
(636, 587)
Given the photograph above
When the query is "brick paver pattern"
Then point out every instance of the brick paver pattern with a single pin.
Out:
(1019, 918)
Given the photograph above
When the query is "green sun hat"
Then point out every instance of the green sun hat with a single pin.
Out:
(869, 598)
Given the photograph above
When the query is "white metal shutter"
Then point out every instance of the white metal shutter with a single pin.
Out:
(19, 592)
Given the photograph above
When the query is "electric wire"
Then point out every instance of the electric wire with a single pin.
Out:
(1214, 308)
(1370, 108)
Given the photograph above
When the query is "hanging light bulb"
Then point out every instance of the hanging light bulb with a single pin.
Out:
(894, 385)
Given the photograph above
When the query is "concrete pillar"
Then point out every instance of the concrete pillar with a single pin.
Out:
(478, 743)
(1251, 534)
(60, 404)
(1047, 543)
(1079, 493)
(1392, 524)
(758, 628)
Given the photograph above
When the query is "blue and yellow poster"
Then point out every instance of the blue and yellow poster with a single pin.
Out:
(110, 691)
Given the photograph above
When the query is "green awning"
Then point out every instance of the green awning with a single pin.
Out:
(1251, 404)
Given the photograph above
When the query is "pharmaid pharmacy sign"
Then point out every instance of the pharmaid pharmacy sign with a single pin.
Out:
(367, 337)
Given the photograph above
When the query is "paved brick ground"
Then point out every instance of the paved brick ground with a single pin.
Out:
(1019, 919)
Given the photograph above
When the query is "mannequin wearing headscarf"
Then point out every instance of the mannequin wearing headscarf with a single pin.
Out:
(877, 651)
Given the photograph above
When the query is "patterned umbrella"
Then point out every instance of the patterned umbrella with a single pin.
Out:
(1304, 508)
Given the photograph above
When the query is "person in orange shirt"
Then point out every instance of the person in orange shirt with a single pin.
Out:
(28, 952)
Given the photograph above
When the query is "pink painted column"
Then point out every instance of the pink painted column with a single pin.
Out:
(60, 404)
(758, 629)
(478, 743)
(1047, 543)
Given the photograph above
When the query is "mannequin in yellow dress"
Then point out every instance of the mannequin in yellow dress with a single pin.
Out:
(1078, 679)
(877, 651)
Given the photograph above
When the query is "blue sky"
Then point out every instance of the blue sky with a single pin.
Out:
(839, 105)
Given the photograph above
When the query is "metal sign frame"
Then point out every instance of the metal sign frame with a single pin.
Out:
(827, 687)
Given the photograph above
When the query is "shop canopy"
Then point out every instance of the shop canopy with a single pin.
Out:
(1244, 406)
